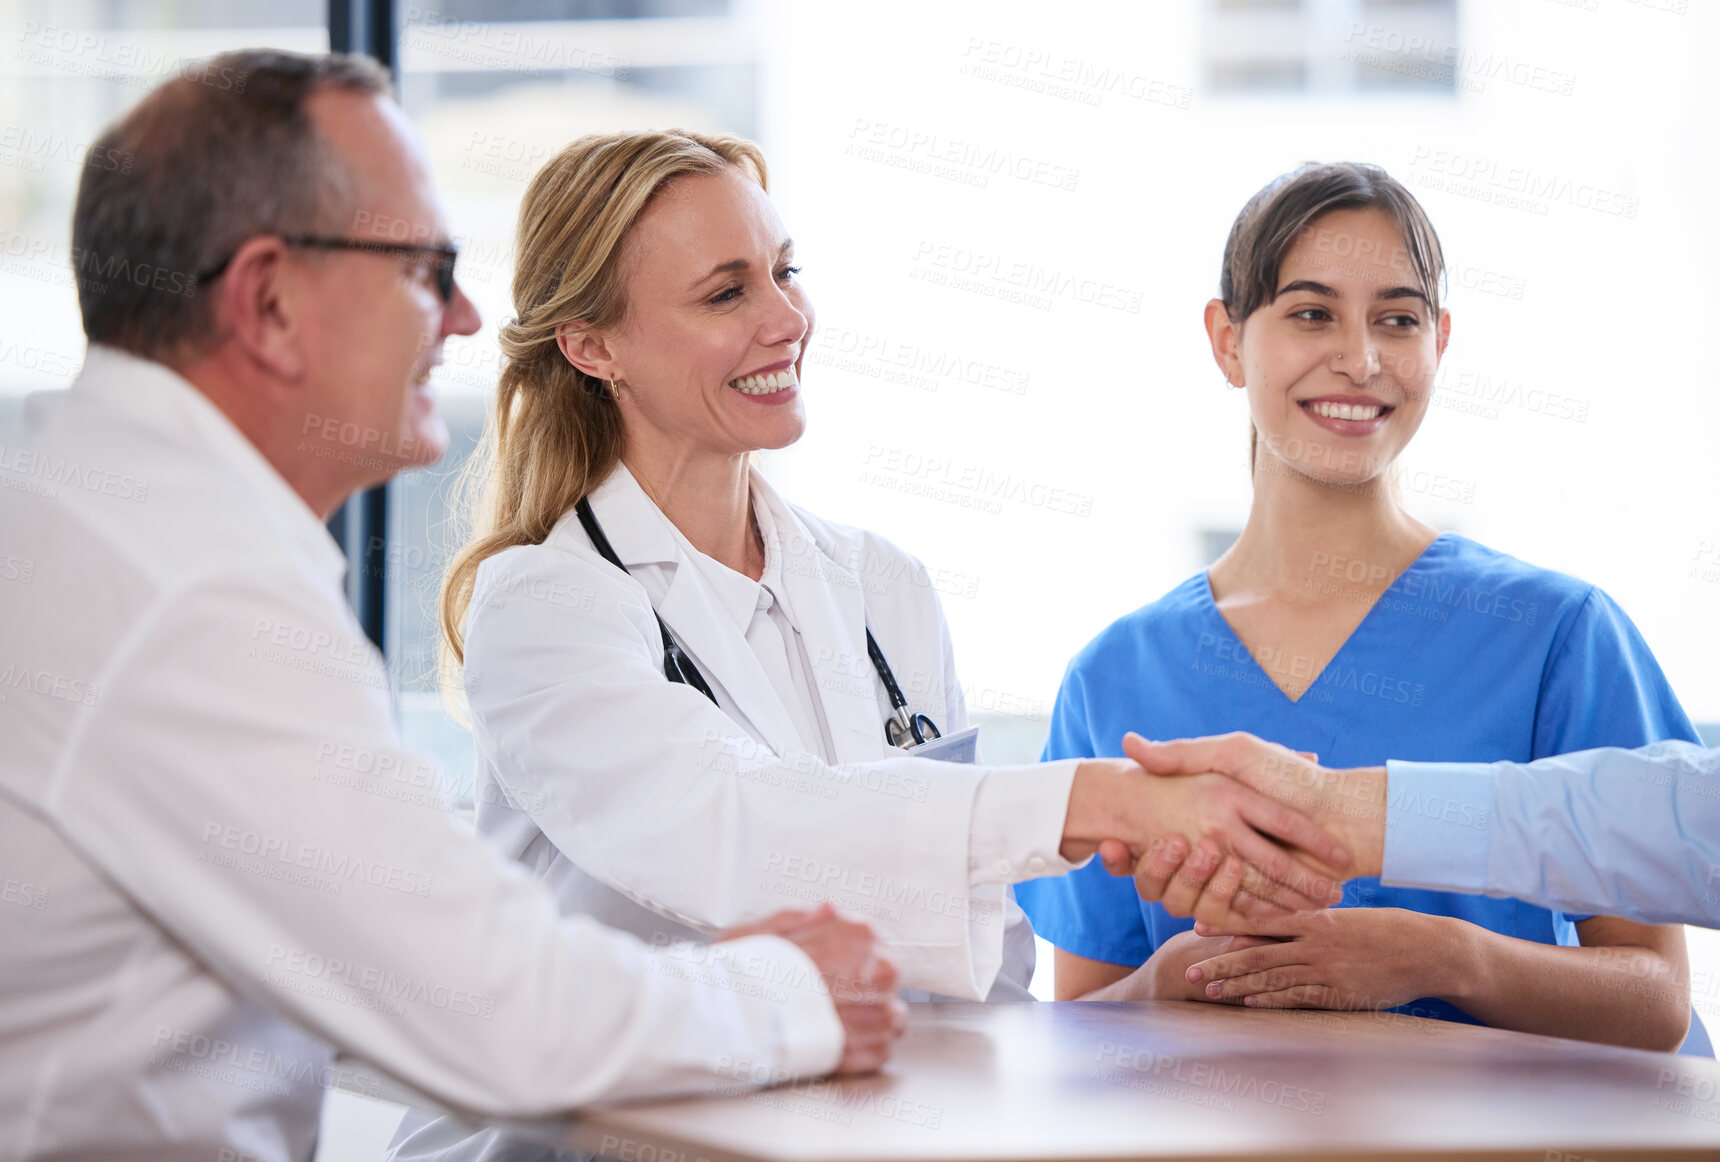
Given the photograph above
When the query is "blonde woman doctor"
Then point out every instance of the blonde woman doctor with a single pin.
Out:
(679, 722)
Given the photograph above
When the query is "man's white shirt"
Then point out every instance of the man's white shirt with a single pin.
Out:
(219, 862)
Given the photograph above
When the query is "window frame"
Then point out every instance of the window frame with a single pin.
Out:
(360, 526)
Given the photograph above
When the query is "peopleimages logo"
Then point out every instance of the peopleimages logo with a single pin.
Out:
(853, 889)
(217, 1059)
(1516, 186)
(313, 974)
(22, 679)
(968, 162)
(827, 1099)
(337, 867)
(1068, 78)
(997, 275)
(1413, 54)
(44, 473)
(916, 365)
(966, 485)
(1214, 1078)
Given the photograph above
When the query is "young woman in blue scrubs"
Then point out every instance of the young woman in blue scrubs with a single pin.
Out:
(1340, 624)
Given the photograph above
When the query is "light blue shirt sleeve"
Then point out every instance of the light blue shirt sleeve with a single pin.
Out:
(1603, 688)
(1633, 833)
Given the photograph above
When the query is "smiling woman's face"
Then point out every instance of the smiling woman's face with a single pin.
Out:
(710, 350)
(1339, 365)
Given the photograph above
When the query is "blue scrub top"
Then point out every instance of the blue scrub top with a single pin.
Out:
(1470, 656)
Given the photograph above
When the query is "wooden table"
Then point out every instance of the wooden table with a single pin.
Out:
(1174, 1080)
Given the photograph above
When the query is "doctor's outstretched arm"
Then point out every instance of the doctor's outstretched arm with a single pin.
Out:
(650, 788)
(1632, 833)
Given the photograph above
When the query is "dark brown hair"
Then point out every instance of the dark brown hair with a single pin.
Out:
(221, 153)
(1272, 221)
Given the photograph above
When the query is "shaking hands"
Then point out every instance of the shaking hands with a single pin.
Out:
(1231, 830)
(1245, 831)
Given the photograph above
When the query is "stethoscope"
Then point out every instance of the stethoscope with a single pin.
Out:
(903, 728)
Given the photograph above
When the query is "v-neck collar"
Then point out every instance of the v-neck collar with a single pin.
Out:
(1211, 602)
(822, 597)
(739, 595)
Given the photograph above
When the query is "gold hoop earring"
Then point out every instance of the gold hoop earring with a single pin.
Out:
(614, 391)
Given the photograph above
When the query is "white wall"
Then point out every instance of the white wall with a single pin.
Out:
(1123, 410)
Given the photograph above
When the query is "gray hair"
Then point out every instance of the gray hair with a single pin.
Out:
(223, 152)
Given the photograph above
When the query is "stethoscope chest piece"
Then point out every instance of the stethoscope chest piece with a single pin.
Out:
(908, 730)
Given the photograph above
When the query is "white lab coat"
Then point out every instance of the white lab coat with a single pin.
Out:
(218, 864)
(724, 813)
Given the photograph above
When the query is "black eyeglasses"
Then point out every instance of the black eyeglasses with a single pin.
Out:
(446, 254)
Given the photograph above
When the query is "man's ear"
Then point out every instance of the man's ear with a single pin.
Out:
(1225, 336)
(586, 350)
(258, 306)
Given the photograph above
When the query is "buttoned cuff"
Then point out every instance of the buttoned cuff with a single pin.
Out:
(1017, 828)
(1439, 825)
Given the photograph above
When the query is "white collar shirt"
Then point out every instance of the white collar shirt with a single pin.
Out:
(222, 864)
(762, 616)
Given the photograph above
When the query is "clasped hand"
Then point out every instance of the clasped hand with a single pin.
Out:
(1252, 943)
(1228, 847)
(860, 977)
(1277, 840)
(1349, 958)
